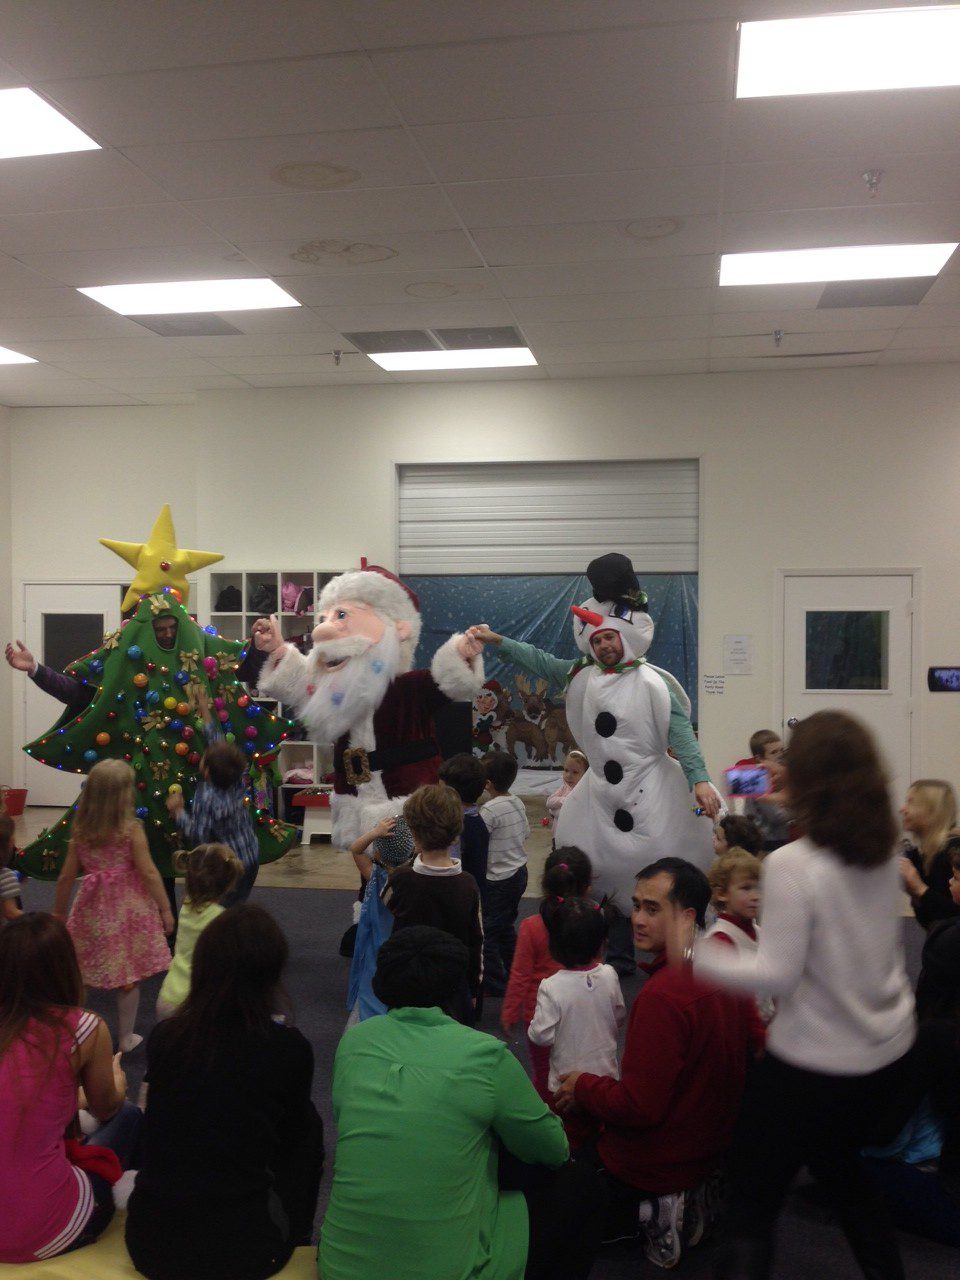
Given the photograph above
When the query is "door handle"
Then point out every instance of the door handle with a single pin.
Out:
(792, 722)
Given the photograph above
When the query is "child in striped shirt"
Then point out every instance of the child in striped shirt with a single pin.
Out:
(506, 820)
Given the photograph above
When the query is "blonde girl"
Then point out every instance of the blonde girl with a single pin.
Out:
(121, 912)
(574, 767)
(929, 817)
(210, 871)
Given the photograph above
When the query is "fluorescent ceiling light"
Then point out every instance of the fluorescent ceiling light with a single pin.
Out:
(177, 297)
(14, 357)
(848, 262)
(31, 127)
(850, 52)
(480, 358)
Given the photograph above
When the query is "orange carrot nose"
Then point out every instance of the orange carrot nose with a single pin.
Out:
(587, 615)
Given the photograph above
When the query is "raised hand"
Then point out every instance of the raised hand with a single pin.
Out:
(20, 658)
(267, 635)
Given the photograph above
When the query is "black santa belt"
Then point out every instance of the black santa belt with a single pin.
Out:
(359, 765)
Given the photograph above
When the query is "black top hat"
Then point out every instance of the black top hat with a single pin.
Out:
(612, 578)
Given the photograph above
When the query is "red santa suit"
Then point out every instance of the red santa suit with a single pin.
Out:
(386, 756)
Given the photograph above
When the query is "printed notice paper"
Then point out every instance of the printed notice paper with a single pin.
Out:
(713, 684)
(738, 655)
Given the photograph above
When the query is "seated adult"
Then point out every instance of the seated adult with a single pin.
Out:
(232, 1147)
(49, 1046)
(422, 1106)
(669, 1120)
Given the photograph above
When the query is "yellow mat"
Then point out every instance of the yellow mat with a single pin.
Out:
(108, 1260)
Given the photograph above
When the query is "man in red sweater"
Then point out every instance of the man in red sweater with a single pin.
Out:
(669, 1120)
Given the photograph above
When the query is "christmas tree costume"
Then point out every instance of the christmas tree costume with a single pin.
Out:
(136, 699)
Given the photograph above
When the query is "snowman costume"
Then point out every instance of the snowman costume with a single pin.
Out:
(634, 804)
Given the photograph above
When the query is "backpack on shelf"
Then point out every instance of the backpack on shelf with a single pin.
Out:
(263, 598)
(229, 601)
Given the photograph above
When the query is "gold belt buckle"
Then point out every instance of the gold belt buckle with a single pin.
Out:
(356, 766)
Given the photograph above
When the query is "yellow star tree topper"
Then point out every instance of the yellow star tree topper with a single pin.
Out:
(159, 562)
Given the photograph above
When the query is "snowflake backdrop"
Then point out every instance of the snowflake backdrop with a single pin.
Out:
(536, 609)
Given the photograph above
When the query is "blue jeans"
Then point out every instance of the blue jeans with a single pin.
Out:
(121, 1133)
(501, 903)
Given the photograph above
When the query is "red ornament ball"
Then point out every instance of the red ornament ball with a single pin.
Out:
(151, 667)
(187, 733)
(193, 758)
(223, 716)
(250, 731)
(111, 715)
(127, 756)
(243, 700)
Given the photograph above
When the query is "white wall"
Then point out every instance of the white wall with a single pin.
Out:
(817, 469)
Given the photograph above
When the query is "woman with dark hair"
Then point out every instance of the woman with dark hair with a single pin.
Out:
(232, 1144)
(49, 1046)
(831, 955)
(423, 1105)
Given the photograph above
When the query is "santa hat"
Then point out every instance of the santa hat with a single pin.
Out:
(380, 589)
(494, 686)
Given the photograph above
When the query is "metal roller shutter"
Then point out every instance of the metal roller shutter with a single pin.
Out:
(548, 517)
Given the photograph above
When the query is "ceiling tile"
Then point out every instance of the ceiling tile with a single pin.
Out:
(624, 368)
(545, 75)
(392, 288)
(927, 338)
(143, 226)
(460, 313)
(75, 180)
(685, 133)
(596, 332)
(933, 317)
(137, 266)
(345, 214)
(48, 38)
(588, 197)
(550, 279)
(269, 166)
(814, 228)
(613, 306)
(554, 353)
(794, 344)
(401, 251)
(905, 179)
(593, 241)
(846, 320)
(920, 355)
(767, 297)
(233, 101)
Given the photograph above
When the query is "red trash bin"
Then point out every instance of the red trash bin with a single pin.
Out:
(12, 801)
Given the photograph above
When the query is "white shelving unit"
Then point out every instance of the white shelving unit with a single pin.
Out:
(249, 589)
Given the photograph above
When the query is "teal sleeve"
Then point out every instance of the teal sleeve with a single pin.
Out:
(535, 660)
(522, 1120)
(684, 744)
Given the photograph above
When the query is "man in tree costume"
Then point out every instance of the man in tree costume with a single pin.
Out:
(135, 698)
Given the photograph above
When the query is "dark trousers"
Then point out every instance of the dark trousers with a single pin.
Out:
(501, 904)
(620, 952)
(794, 1118)
(121, 1134)
(241, 890)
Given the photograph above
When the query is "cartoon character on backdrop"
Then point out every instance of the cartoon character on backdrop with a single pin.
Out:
(634, 804)
(356, 689)
(135, 699)
(488, 726)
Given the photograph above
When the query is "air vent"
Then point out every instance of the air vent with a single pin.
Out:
(435, 339)
(875, 293)
(196, 324)
(816, 355)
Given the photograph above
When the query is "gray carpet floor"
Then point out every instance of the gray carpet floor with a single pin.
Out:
(809, 1246)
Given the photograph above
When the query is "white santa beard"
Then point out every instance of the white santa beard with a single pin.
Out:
(345, 699)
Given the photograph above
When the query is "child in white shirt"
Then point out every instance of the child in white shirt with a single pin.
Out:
(505, 817)
(580, 1009)
(735, 884)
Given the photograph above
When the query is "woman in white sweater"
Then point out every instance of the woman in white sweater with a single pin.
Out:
(831, 955)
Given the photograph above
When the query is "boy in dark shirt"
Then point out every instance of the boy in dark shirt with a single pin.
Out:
(435, 890)
(466, 775)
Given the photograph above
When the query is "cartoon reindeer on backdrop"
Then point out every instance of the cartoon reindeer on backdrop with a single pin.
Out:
(542, 725)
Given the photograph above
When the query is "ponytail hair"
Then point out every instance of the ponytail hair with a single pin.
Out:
(567, 873)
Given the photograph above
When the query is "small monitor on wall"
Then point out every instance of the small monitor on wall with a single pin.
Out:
(943, 679)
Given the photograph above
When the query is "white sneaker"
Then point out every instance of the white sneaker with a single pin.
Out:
(661, 1231)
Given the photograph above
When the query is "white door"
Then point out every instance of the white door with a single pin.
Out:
(62, 622)
(848, 646)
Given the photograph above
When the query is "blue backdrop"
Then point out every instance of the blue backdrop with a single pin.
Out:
(537, 609)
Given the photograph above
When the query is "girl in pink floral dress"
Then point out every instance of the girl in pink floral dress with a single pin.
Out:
(121, 912)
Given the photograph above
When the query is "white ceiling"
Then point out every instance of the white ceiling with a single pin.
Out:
(571, 168)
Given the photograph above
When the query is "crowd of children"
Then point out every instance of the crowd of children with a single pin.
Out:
(454, 858)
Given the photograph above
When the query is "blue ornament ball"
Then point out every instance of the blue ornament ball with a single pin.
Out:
(96, 666)
(153, 697)
(134, 653)
(249, 748)
(121, 696)
(176, 726)
(68, 750)
(90, 757)
(142, 811)
(211, 631)
(182, 677)
(252, 710)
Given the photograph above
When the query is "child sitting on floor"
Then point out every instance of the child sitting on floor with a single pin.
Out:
(211, 871)
(580, 1008)
(10, 905)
